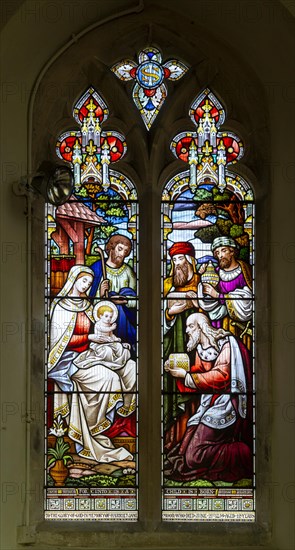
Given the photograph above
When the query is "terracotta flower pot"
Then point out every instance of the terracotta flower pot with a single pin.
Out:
(59, 472)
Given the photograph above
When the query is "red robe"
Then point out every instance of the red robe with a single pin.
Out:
(209, 453)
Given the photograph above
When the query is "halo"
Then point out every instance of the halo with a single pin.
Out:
(105, 303)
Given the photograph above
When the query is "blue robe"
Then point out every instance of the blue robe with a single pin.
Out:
(126, 322)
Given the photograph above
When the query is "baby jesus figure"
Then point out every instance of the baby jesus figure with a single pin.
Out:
(105, 313)
(104, 325)
(106, 350)
(105, 345)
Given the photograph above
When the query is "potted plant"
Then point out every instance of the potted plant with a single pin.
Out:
(59, 454)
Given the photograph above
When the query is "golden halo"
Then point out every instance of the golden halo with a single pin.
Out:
(105, 303)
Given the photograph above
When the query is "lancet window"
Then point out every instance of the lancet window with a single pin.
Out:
(92, 319)
(208, 424)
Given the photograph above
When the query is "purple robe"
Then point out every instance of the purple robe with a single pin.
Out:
(224, 287)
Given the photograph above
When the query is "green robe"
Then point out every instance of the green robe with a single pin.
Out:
(175, 341)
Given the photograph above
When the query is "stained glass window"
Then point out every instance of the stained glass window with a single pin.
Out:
(91, 347)
(208, 349)
(149, 91)
(208, 393)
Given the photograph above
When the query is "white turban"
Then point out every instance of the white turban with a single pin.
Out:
(223, 241)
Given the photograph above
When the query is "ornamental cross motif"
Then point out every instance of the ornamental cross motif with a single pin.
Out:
(149, 91)
(207, 150)
(90, 150)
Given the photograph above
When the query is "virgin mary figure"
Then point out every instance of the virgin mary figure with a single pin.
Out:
(87, 397)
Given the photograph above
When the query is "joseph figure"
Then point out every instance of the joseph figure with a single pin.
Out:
(120, 285)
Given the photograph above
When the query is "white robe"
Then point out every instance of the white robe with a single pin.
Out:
(98, 390)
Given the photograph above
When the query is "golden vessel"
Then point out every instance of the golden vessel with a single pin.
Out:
(210, 276)
(179, 360)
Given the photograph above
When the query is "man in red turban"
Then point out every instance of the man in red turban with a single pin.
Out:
(182, 248)
(180, 288)
(180, 301)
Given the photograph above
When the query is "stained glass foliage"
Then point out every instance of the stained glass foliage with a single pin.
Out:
(149, 90)
(92, 318)
(208, 352)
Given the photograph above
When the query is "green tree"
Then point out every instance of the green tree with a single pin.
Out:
(103, 231)
(117, 212)
(217, 196)
(203, 195)
(236, 230)
(208, 234)
(82, 193)
(244, 254)
(224, 226)
(103, 202)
